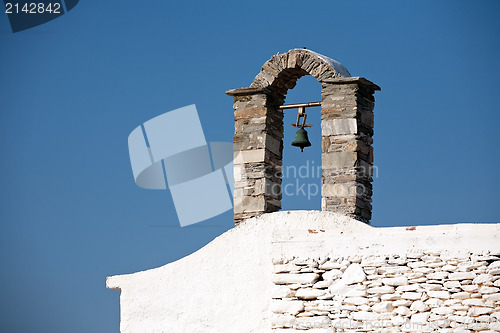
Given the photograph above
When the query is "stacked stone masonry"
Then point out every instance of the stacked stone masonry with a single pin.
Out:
(347, 129)
(414, 292)
(258, 147)
(347, 160)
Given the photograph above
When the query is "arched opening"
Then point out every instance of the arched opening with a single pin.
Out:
(346, 126)
(301, 181)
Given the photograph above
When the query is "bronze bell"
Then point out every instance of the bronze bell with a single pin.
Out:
(301, 140)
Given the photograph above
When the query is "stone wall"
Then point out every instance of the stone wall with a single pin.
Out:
(420, 291)
(347, 130)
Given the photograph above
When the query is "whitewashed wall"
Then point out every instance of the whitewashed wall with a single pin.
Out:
(288, 270)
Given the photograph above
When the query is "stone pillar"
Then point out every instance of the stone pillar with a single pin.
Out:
(347, 127)
(258, 147)
(347, 159)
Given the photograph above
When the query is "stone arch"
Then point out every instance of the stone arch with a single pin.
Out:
(346, 124)
(283, 70)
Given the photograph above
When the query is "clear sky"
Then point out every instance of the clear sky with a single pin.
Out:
(74, 88)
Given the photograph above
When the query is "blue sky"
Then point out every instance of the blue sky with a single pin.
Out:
(74, 88)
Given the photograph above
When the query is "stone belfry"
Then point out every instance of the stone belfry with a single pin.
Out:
(346, 125)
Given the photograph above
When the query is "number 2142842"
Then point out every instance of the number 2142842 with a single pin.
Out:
(33, 8)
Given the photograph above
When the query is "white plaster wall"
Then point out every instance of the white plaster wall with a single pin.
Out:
(349, 240)
(226, 286)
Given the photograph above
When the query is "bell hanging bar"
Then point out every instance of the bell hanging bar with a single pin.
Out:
(301, 139)
(294, 106)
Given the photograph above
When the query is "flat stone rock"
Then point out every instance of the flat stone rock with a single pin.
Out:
(390, 297)
(420, 318)
(382, 307)
(356, 300)
(395, 281)
(460, 295)
(473, 302)
(477, 311)
(332, 274)
(419, 306)
(470, 287)
(410, 287)
(411, 295)
(461, 276)
(402, 311)
(340, 289)
(492, 297)
(309, 293)
(437, 276)
(295, 278)
(353, 274)
(322, 284)
(381, 290)
(442, 310)
(489, 290)
(452, 284)
(442, 294)
(483, 278)
(402, 302)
